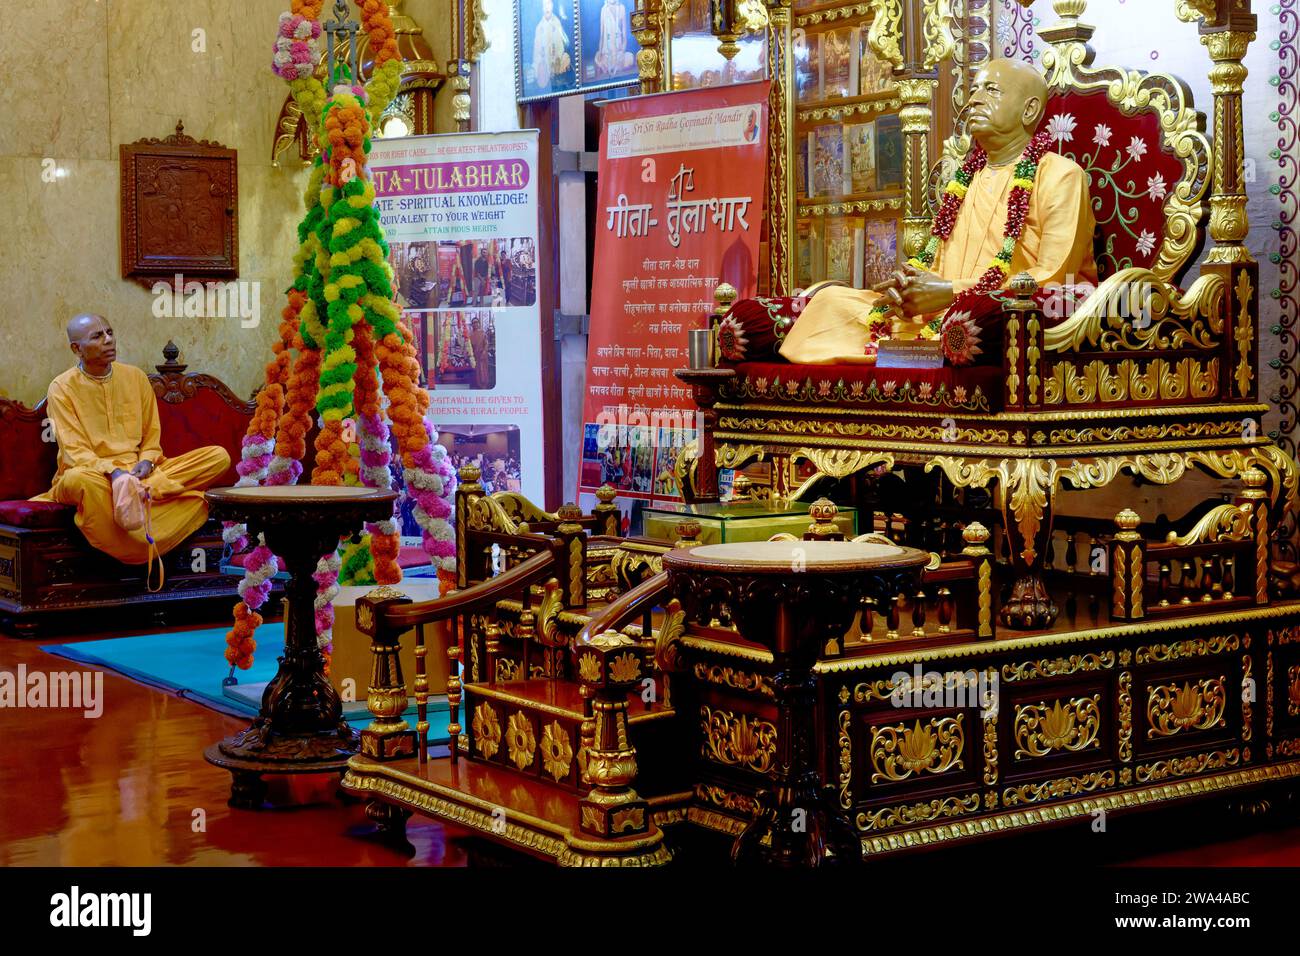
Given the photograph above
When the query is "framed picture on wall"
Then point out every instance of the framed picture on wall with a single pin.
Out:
(547, 54)
(608, 47)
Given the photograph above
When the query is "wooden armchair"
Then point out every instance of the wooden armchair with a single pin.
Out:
(1143, 377)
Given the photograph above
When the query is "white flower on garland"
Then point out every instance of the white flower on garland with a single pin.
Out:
(1101, 135)
(1061, 127)
(1136, 148)
(731, 339)
(1156, 187)
(1146, 242)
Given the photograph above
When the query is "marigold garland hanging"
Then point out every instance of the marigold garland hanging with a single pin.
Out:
(355, 365)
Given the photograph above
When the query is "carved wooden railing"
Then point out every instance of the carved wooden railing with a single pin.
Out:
(385, 615)
(1220, 563)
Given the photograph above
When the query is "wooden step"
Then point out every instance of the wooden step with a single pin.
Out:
(528, 814)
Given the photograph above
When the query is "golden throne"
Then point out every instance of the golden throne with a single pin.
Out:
(1146, 376)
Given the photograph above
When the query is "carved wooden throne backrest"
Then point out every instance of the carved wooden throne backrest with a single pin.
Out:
(1141, 142)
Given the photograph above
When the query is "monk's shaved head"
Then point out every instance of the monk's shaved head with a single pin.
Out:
(1026, 81)
(91, 339)
(81, 324)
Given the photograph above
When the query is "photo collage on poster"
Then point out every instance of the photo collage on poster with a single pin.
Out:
(849, 157)
(459, 295)
(645, 464)
(570, 46)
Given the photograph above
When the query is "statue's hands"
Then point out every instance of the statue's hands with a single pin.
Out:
(142, 468)
(922, 292)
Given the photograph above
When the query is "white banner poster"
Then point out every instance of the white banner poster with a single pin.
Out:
(459, 211)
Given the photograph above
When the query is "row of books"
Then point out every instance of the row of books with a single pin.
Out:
(861, 252)
(852, 159)
(838, 63)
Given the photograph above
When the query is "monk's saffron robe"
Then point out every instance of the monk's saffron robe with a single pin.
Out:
(1055, 247)
(103, 426)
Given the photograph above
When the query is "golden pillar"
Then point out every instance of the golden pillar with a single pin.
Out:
(916, 117)
(646, 29)
(780, 184)
(1229, 223)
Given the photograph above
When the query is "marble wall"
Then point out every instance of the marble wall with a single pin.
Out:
(122, 70)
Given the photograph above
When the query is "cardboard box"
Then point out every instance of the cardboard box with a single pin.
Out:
(351, 662)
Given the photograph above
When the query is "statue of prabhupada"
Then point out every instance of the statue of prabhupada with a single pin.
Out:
(1012, 207)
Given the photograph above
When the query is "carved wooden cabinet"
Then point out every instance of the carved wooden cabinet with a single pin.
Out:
(179, 210)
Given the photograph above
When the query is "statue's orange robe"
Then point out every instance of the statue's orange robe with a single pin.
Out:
(1055, 247)
(102, 426)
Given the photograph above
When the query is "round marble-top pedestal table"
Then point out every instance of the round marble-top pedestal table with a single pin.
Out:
(300, 727)
(791, 597)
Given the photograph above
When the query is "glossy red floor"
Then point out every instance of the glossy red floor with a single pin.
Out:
(126, 789)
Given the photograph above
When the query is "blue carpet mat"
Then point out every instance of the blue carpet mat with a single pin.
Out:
(190, 664)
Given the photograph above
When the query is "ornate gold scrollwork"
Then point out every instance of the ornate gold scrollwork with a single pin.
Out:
(1244, 334)
(898, 751)
(1192, 647)
(1189, 11)
(1060, 787)
(1178, 320)
(1071, 725)
(737, 740)
(736, 456)
(845, 741)
(1125, 716)
(1221, 523)
(668, 642)
(726, 676)
(1131, 380)
(1199, 706)
(905, 815)
(488, 514)
(990, 741)
(836, 463)
(1275, 462)
(936, 28)
(1058, 666)
(519, 508)
(1013, 359)
(1187, 766)
(886, 33)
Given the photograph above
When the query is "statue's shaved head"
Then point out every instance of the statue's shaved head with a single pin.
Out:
(1006, 104)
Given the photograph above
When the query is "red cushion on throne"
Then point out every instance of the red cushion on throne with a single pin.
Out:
(1130, 174)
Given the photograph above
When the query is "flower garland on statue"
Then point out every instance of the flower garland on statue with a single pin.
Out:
(1022, 186)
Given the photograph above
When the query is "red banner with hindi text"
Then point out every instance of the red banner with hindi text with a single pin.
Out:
(679, 210)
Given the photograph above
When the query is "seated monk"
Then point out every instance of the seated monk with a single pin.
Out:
(842, 325)
(105, 419)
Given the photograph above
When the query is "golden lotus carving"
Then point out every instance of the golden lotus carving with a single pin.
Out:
(625, 668)
(589, 668)
(557, 751)
(487, 730)
(629, 818)
(737, 740)
(521, 745)
(1071, 725)
(1198, 706)
(899, 751)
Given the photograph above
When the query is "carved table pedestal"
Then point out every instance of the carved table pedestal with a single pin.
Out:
(300, 728)
(791, 597)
